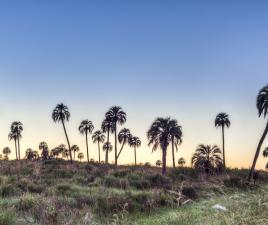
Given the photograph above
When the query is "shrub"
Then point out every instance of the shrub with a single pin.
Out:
(35, 188)
(159, 181)
(121, 173)
(234, 182)
(111, 181)
(140, 184)
(64, 189)
(8, 190)
(7, 218)
(189, 192)
(25, 203)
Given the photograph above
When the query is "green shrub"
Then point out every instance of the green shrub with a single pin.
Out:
(7, 218)
(111, 181)
(234, 182)
(159, 181)
(189, 192)
(8, 190)
(25, 203)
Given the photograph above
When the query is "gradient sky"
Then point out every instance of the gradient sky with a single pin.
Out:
(184, 59)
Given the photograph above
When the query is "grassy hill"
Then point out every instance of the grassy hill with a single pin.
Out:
(56, 192)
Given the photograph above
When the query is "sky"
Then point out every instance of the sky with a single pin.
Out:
(186, 59)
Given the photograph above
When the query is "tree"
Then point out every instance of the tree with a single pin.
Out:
(265, 154)
(86, 127)
(80, 156)
(176, 138)
(29, 154)
(107, 147)
(135, 143)
(6, 152)
(117, 116)
(98, 137)
(107, 126)
(207, 157)
(222, 120)
(159, 135)
(13, 136)
(181, 162)
(61, 114)
(43, 147)
(124, 137)
(15, 130)
(158, 163)
(262, 106)
(75, 149)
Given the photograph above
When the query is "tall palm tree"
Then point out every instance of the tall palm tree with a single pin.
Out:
(61, 114)
(124, 136)
(222, 120)
(75, 149)
(13, 136)
(98, 137)
(181, 162)
(107, 126)
(16, 128)
(80, 156)
(262, 106)
(207, 157)
(176, 138)
(43, 147)
(159, 135)
(6, 152)
(107, 147)
(86, 127)
(135, 143)
(117, 116)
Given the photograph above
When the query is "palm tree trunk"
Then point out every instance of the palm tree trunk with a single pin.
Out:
(16, 148)
(115, 145)
(87, 148)
(70, 152)
(173, 154)
(99, 150)
(106, 155)
(74, 155)
(223, 148)
(164, 160)
(121, 149)
(257, 153)
(135, 156)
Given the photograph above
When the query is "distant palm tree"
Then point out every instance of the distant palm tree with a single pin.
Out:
(124, 137)
(222, 120)
(135, 143)
(16, 129)
(13, 136)
(29, 154)
(116, 115)
(158, 163)
(159, 135)
(98, 137)
(75, 149)
(6, 152)
(207, 157)
(176, 138)
(80, 156)
(35, 155)
(107, 147)
(262, 106)
(107, 126)
(86, 127)
(181, 162)
(61, 114)
(43, 147)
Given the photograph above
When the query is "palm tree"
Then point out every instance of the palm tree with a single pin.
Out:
(16, 129)
(265, 152)
(86, 127)
(262, 106)
(158, 163)
(159, 135)
(176, 138)
(61, 114)
(107, 126)
(1, 156)
(98, 137)
(124, 137)
(135, 143)
(222, 120)
(107, 147)
(80, 156)
(207, 157)
(12, 136)
(75, 149)
(6, 152)
(181, 162)
(116, 115)
(29, 154)
(43, 147)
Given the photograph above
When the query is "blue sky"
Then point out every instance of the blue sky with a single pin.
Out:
(186, 59)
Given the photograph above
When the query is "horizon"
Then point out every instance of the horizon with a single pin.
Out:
(188, 61)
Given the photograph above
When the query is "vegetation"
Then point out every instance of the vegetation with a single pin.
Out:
(86, 127)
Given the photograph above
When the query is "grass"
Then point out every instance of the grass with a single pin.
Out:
(55, 192)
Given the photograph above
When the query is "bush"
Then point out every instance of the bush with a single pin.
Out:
(159, 181)
(111, 181)
(25, 203)
(64, 189)
(35, 188)
(8, 190)
(189, 192)
(234, 182)
(7, 218)
(140, 184)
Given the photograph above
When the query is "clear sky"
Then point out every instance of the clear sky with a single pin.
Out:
(184, 59)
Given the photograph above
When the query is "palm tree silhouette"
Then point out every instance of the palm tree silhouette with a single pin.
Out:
(43, 147)
(107, 126)
(262, 106)
(207, 157)
(29, 154)
(86, 127)
(98, 137)
(176, 137)
(80, 156)
(181, 162)
(222, 120)
(16, 129)
(13, 136)
(159, 135)
(116, 115)
(60, 114)
(158, 163)
(107, 147)
(75, 149)
(265, 154)
(124, 137)
(6, 152)
(135, 143)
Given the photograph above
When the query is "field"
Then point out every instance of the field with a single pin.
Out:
(56, 192)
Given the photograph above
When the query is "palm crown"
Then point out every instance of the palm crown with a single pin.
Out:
(107, 147)
(265, 152)
(262, 101)
(86, 126)
(135, 142)
(61, 113)
(116, 115)
(222, 119)
(98, 136)
(124, 135)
